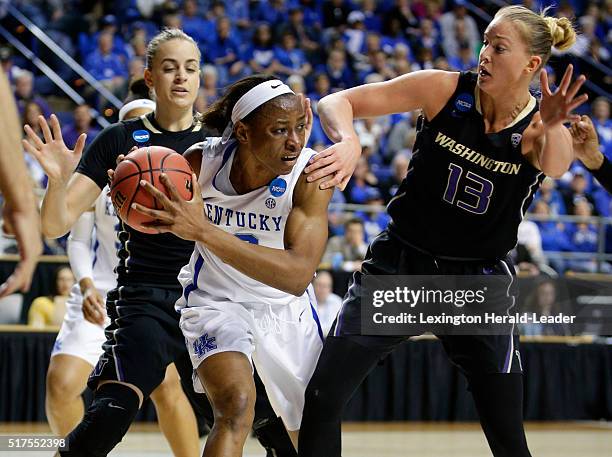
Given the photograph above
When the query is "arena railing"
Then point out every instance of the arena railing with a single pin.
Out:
(66, 58)
(599, 222)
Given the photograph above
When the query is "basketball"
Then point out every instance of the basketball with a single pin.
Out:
(147, 164)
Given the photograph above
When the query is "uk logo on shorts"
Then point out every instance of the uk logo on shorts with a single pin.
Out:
(203, 345)
(278, 187)
(141, 136)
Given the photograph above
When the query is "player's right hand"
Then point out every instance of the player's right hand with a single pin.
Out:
(335, 163)
(25, 225)
(52, 154)
(585, 142)
(120, 158)
(94, 308)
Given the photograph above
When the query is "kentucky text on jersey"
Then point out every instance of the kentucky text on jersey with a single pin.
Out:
(477, 158)
(219, 215)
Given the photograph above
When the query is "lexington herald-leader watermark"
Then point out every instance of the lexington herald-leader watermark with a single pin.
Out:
(485, 305)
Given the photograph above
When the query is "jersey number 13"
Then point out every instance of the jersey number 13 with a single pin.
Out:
(469, 192)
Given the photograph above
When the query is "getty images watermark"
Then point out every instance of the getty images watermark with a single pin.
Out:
(484, 305)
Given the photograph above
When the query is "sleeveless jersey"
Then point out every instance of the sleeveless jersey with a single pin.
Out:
(257, 217)
(144, 259)
(466, 191)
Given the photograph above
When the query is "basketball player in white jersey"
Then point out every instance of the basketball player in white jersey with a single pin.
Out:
(260, 231)
(92, 251)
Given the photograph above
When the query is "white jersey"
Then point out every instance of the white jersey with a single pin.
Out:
(104, 243)
(257, 217)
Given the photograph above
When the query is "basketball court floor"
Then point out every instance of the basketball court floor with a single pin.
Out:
(568, 439)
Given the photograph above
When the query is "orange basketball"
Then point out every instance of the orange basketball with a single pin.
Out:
(147, 164)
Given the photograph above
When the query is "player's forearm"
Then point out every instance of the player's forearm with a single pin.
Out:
(55, 214)
(276, 268)
(336, 114)
(14, 177)
(557, 152)
(592, 159)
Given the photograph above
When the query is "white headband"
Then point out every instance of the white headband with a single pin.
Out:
(134, 104)
(252, 100)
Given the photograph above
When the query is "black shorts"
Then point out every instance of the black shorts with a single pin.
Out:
(142, 339)
(473, 354)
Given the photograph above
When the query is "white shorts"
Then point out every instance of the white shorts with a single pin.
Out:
(283, 342)
(79, 337)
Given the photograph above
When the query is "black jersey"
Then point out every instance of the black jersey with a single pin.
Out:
(466, 191)
(143, 259)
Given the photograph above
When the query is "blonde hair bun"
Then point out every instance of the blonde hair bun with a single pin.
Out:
(561, 31)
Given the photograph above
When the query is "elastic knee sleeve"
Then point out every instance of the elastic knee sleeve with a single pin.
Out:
(273, 436)
(105, 423)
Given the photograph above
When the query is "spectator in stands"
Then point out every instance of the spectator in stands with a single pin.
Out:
(399, 169)
(362, 179)
(328, 303)
(31, 112)
(603, 124)
(577, 190)
(82, 124)
(336, 68)
(377, 219)
(403, 14)
(274, 12)
(210, 83)
(194, 23)
(583, 238)
(289, 59)
(224, 52)
(457, 26)
(107, 66)
(427, 37)
(553, 234)
(335, 14)
(355, 34)
(424, 60)
(24, 93)
(260, 55)
(529, 238)
(6, 62)
(346, 252)
(551, 196)
(306, 35)
(378, 65)
(465, 61)
(49, 310)
(372, 20)
(296, 83)
(543, 301)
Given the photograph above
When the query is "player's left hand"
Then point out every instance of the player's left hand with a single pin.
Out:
(336, 162)
(184, 218)
(556, 107)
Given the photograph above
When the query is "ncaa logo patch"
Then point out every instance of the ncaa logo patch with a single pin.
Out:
(464, 102)
(141, 136)
(270, 203)
(515, 139)
(278, 187)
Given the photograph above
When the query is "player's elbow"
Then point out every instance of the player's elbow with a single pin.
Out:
(554, 172)
(301, 280)
(52, 231)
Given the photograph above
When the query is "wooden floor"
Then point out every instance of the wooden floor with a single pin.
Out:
(576, 439)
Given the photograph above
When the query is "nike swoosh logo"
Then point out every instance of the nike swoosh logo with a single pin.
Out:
(110, 405)
(276, 87)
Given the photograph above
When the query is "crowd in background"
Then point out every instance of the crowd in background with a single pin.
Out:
(317, 47)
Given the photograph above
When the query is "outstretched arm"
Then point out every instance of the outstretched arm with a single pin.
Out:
(68, 194)
(290, 269)
(337, 112)
(20, 212)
